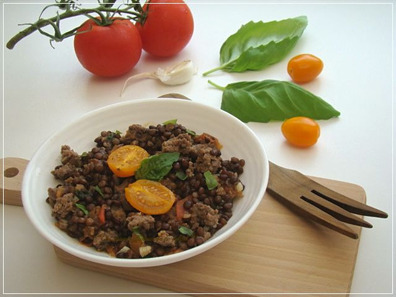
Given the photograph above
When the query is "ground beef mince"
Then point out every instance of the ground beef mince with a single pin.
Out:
(89, 203)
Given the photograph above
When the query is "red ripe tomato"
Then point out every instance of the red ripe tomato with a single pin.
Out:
(168, 27)
(111, 50)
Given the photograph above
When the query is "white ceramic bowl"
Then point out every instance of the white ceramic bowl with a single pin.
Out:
(237, 140)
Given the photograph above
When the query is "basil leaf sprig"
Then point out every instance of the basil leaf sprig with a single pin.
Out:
(272, 100)
(157, 166)
(257, 45)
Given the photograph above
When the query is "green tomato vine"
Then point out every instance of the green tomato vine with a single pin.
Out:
(103, 15)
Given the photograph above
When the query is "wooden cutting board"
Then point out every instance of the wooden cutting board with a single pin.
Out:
(276, 251)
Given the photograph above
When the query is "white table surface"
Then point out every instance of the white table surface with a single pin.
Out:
(45, 88)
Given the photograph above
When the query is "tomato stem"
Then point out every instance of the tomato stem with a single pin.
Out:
(105, 11)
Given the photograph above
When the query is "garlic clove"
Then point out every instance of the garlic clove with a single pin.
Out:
(177, 74)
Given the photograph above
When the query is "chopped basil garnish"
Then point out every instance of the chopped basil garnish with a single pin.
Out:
(191, 132)
(97, 189)
(186, 231)
(173, 121)
(210, 179)
(181, 175)
(112, 135)
(82, 207)
(136, 231)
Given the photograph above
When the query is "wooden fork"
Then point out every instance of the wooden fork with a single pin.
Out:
(317, 202)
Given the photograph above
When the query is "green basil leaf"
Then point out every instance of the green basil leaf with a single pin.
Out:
(272, 100)
(191, 132)
(157, 166)
(97, 189)
(210, 180)
(256, 45)
(186, 231)
(82, 207)
(111, 135)
(181, 175)
(136, 231)
(173, 121)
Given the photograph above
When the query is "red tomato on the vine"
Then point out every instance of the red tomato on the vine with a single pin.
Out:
(111, 50)
(168, 27)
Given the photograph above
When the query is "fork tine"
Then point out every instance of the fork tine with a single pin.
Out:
(346, 202)
(334, 210)
(349, 204)
(312, 212)
(288, 186)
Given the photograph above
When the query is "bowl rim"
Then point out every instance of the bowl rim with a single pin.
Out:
(146, 262)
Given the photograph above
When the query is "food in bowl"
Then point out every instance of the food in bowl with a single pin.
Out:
(154, 191)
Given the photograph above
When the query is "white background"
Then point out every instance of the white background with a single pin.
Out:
(46, 88)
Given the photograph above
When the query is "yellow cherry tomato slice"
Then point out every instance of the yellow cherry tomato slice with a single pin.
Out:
(125, 160)
(149, 197)
(304, 68)
(301, 131)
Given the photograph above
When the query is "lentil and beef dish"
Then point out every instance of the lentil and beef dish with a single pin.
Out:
(90, 202)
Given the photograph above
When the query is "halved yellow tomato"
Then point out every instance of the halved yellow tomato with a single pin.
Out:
(125, 160)
(149, 197)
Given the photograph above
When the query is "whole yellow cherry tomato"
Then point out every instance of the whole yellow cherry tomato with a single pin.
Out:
(304, 68)
(301, 131)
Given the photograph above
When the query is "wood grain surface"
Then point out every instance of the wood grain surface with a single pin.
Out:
(276, 251)
(12, 170)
